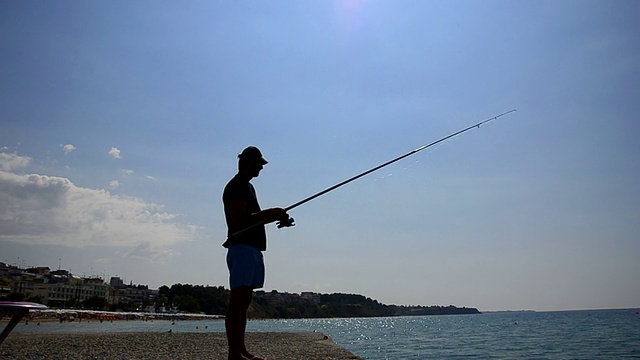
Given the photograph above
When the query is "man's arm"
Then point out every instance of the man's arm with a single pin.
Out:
(239, 219)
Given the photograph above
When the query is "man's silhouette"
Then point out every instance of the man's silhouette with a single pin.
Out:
(245, 243)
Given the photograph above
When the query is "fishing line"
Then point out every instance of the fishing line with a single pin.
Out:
(414, 165)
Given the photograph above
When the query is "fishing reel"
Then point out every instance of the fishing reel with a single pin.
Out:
(288, 222)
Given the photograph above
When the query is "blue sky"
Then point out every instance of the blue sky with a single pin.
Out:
(120, 123)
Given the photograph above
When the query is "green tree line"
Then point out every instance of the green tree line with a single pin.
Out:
(213, 301)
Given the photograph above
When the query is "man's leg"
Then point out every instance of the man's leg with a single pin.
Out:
(236, 322)
(246, 269)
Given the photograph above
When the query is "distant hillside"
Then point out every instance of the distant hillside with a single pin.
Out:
(432, 310)
(283, 305)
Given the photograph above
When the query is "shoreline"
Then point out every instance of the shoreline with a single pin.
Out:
(169, 346)
(71, 315)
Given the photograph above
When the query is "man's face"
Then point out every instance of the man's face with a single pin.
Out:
(255, 166)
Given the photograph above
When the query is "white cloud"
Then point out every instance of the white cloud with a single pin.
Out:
(115, 152)
(150, 177)
(47, 210)
(9, 162)
(114, 184)
(68, 148)
(126, 172)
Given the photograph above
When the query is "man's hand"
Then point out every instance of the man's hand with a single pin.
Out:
(280, 215)
(274, 214)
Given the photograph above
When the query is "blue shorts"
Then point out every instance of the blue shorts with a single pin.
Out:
(246, 266)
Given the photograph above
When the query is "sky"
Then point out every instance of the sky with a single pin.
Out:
(120, 123)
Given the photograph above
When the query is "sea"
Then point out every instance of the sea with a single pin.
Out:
(586, 334)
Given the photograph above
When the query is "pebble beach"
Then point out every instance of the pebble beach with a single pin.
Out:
(169, 346)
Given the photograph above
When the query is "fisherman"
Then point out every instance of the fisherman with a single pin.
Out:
(245, 243)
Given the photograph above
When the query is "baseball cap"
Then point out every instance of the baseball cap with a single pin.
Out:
(252, 152)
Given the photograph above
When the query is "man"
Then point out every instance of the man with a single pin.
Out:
(245, 243)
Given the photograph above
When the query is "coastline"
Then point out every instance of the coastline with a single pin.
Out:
(76, 315)
(169, 346)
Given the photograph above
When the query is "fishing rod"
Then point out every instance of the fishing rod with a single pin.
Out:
(290, 221)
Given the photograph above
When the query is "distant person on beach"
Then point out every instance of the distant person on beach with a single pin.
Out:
(245, 243)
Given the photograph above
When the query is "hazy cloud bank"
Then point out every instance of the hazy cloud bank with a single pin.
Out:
(39, 209)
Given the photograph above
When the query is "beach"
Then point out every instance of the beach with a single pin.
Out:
(169, 346)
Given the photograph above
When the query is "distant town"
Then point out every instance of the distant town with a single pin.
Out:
(60, 289)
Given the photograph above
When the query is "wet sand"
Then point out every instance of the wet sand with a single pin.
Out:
(169, 346)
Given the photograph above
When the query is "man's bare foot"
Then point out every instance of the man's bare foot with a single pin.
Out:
(249, 356)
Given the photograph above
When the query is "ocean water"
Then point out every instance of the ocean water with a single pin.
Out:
(594, 334)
